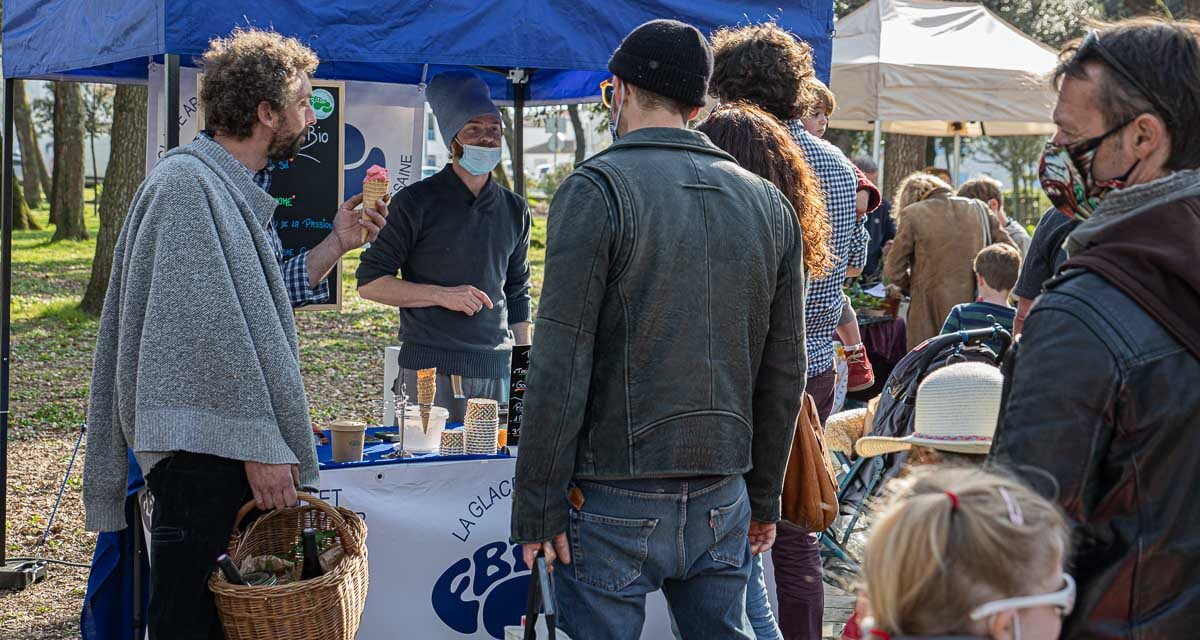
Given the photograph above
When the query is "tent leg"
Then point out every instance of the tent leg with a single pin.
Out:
(956, 160)
(172, 93)
(6, 229)
(877, 149)
(518, 80)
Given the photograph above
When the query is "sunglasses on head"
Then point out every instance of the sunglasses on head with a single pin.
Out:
(1092, 42)
(1063, 599)
(607, 90)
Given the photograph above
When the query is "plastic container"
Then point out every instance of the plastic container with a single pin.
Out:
(417, 439)
(347, 436)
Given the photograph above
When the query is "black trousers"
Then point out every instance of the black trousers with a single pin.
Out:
(196, 498)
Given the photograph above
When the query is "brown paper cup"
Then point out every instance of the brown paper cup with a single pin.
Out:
(347, 438)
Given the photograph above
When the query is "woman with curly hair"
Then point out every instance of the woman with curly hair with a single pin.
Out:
(771, 68)
(762, 145)
(938, 236)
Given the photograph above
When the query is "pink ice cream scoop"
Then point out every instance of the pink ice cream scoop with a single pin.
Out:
(376, 174)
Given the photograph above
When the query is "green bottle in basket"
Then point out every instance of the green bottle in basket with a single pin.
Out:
(312, 557)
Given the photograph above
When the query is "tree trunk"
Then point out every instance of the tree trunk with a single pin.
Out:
(509, 136)
(126, 169)
(66, 204)
(54, 132)
(28, 142)
(22, 216)
(580, 133)
(501, 176)
(95, 175)
(903, 155)
(42, 171)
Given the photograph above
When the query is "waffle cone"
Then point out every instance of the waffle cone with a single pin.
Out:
(372, 190)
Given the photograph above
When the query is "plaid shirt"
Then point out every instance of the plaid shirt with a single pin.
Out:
(295, 269)
(823, 304)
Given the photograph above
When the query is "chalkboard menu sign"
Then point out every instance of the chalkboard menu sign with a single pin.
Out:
(516, 399)
(308, 189)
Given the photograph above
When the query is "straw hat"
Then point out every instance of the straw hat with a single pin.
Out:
(957, 409)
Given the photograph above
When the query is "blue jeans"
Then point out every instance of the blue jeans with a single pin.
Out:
(758, 604)
(633, 537)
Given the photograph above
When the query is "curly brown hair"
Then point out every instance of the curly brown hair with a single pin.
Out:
(765, 65)
(763, 146)
(250, 67)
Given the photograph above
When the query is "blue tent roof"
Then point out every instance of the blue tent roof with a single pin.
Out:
(567, 42)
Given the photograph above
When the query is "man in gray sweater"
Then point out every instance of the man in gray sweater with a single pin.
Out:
(197, 362)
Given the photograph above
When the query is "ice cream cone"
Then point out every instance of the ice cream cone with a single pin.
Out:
(375, 187)
(426, 391)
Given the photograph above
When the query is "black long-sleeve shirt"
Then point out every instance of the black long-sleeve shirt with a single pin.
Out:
(439, 233)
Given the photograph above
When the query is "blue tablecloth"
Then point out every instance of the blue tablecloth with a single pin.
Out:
(373, 454)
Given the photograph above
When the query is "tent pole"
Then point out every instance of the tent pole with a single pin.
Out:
(518, 81)
(876, 150)
(172, 92)
(954, 163)
(5, 307)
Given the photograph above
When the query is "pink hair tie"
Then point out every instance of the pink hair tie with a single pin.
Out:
(953, 501)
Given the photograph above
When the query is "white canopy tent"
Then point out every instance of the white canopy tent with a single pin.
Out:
(923, 67)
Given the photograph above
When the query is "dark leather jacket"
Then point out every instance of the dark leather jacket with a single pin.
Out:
(1104, 402)
(670, 332)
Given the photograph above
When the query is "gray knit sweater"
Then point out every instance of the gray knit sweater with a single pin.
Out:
(197, 348)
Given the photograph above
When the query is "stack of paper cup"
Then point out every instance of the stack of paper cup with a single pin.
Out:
(483, 420)
(452, 443)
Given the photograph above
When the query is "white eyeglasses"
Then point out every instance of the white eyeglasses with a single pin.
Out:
(1064, 599)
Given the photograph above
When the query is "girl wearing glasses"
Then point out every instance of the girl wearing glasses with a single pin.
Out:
(965, 553)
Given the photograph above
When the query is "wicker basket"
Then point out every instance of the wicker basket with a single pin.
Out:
(325, 608)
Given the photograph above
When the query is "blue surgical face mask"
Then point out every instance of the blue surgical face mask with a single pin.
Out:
(479, 160)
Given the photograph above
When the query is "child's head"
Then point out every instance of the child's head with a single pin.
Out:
(816, 121)
(997, 266)
(953, 543)
(985, 189)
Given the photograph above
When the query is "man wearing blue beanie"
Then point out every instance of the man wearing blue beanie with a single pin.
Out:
(665, 385)
(459, 245)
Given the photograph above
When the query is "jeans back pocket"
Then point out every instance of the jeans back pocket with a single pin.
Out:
(608, 552)
(730, 527)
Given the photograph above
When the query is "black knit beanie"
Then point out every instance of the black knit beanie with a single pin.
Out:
(668, 57)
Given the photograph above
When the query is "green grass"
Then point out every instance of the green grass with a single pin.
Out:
(53, 341)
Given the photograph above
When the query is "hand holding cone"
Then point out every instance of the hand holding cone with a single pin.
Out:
(375, 187)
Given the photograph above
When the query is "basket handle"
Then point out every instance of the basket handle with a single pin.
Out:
(350, 547)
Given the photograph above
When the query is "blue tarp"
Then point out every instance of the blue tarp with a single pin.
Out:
(568, 42)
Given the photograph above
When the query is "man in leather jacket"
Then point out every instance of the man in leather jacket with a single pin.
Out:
(669, 368)
(1103, 409)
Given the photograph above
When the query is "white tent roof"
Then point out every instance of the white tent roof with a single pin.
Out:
(920, 66)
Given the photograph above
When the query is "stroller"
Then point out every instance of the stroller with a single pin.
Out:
(861, 478)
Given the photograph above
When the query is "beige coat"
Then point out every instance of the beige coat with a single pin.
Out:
(935, 246)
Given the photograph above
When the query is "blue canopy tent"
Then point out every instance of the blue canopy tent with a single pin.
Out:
(541, 52)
